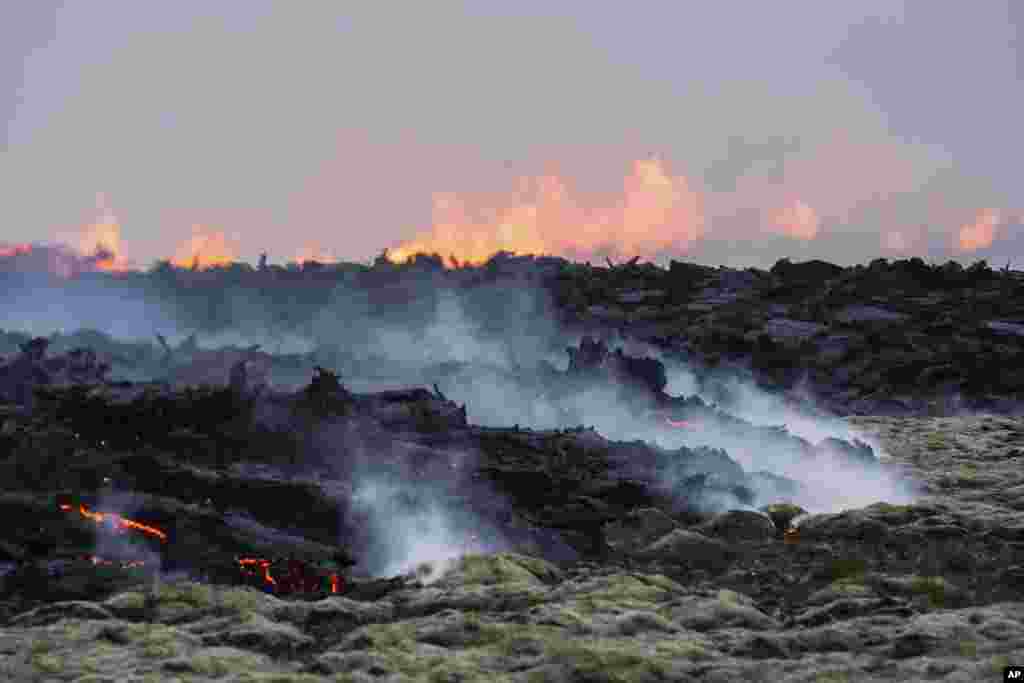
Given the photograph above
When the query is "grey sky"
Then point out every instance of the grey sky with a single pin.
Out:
(290, 123)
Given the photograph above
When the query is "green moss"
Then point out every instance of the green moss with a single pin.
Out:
(728, 597)
(500, 568)
(239, 600)
(190, 593)
(159, 650)
(850, 587)
(616, 661)
(847, 570)
(660, 581)
(883, 508)
(968, 471)
(48, 663)
(932, 586)
(623, 592)
(131, 600)
(968, 648)
(998, 662)
(42, 645)
(832, 677)
(262, 677)
(222, 663)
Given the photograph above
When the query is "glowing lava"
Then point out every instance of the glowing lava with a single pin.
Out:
(314, 253)
(252, 563)
(204, 249)
(117, 522)
(299, 577)
(656, 212)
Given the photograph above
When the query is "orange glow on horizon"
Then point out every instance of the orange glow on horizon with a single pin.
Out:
(656, 212)
(204, 249)
(101, 240)
(980, 233)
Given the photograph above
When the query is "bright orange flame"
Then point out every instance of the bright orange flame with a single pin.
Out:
(656, 212)
(118, 522)
(204, 249)
(981, 232)
(102, 239)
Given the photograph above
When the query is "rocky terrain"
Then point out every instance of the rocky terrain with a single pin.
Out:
(903, 337)
(130, 505)
(899, 337)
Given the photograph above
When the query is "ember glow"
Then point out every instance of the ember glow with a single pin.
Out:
(101, 240)
(656, 212)
(261, 566)
(980, 233)
(117, 522)
(298, 577)
(797, 220)
(204, 249)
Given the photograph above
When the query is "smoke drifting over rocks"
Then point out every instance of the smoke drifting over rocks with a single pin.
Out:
(429, 441)
(492, 340)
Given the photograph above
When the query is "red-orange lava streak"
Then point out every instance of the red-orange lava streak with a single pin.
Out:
(117, 520)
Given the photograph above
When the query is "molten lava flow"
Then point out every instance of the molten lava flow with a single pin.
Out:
(656, 212)
(204, 249)
(116, 521)
(248, 563)
(299, 577)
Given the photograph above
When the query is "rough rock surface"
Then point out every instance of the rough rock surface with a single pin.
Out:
(646, 592)
(903, 337)
(617, 565)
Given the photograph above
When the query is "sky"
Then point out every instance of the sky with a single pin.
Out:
(730, 133)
